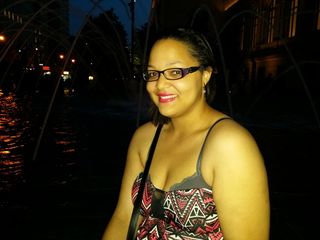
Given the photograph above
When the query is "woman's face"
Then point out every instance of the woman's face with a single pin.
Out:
(175, 97)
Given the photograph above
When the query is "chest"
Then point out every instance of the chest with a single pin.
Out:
(174, 160)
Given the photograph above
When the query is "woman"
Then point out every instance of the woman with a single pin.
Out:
(207, 171)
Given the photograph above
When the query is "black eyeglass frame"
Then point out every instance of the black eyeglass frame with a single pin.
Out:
(184, 72)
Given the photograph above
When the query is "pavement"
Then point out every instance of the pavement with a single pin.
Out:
(74, 199)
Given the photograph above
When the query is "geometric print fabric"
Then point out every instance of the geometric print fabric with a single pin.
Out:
(185, 214)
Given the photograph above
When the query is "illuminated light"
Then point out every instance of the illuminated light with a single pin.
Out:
(229, 4)
(73, 60)
(10, 163)
(4, 152)
(65, 72)
(61, 56)
(2, 138)
(72, 150)
(90, 78)
(2, 38)
(45, 68)
(12, 124)
(62, 142)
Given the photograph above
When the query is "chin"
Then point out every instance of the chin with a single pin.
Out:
(169, 113)
(166, 112)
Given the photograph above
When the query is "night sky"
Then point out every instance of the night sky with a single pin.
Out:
(79, 8)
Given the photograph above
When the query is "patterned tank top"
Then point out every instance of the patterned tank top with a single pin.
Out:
(186, 211)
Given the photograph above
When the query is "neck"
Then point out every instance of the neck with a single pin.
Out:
(194, 120)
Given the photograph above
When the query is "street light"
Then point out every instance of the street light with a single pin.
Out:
(2, 38)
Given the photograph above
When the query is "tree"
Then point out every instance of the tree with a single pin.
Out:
(103, 51)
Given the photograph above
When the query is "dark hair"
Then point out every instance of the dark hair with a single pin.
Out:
(200, 49)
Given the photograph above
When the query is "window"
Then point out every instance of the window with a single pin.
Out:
(255, 32)
(318, 15)
(242, 34)
(293, 18)
(271, 21)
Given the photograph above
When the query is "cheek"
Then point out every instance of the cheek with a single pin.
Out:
(150, 87)
(187, 88)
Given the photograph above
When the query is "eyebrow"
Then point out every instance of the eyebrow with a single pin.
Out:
(168, 65)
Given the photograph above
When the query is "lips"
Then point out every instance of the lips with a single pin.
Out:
(164, 98)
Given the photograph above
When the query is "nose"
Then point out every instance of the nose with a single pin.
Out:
(162, 82)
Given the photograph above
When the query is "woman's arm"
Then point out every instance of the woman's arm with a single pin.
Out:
(240, 184)
(117, 227)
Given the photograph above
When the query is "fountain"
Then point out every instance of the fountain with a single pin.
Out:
(51, 125)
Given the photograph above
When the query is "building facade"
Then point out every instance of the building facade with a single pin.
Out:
(280, 39)
(261, 45)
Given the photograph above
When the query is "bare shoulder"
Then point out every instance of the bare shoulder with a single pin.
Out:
(229, 131)
(144, 132)
(141, 139)
(235, 168)
(231, 142)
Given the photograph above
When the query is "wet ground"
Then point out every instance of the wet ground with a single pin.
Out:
(72, 195)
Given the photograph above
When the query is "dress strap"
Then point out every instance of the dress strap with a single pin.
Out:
(136, 208)
(204, 143)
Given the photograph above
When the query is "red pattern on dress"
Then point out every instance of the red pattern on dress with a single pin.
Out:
(189, 214)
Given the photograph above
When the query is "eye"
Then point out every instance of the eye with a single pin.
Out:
(152, 74)
(175, 72)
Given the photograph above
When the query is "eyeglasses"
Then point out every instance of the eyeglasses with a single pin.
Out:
(169, 74)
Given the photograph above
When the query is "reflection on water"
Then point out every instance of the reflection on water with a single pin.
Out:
(64, 146)
(12, 130)
(20, 123)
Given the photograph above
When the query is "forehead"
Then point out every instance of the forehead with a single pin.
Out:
(170, 50)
